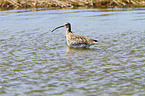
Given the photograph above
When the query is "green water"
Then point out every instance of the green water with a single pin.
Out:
(36, 62)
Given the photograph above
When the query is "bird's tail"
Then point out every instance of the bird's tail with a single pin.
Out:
(95, 41)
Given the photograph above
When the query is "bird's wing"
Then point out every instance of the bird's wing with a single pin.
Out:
(75, 39)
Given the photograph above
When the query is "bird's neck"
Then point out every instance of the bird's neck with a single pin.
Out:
(68, 29)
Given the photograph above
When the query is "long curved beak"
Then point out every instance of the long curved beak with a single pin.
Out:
(57, 28)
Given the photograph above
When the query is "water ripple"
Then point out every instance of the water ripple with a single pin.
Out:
(35, 61)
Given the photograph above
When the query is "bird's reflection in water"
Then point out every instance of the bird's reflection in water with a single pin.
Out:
(80, 51)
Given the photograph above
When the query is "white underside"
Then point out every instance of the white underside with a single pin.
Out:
(79, 45)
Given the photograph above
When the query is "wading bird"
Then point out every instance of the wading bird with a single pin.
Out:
(74, 40)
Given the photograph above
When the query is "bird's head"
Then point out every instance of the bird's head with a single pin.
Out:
(67, 25)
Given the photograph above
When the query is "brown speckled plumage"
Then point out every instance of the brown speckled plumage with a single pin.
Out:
(74, 40)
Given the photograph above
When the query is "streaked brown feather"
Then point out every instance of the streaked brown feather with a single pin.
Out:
(74, 39)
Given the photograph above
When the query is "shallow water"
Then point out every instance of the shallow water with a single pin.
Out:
(36, 62)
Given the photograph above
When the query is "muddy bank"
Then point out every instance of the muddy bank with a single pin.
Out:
(16, 4)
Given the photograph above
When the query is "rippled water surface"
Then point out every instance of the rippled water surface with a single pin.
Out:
(36, 62)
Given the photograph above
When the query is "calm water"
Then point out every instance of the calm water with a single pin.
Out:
(36, 62)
